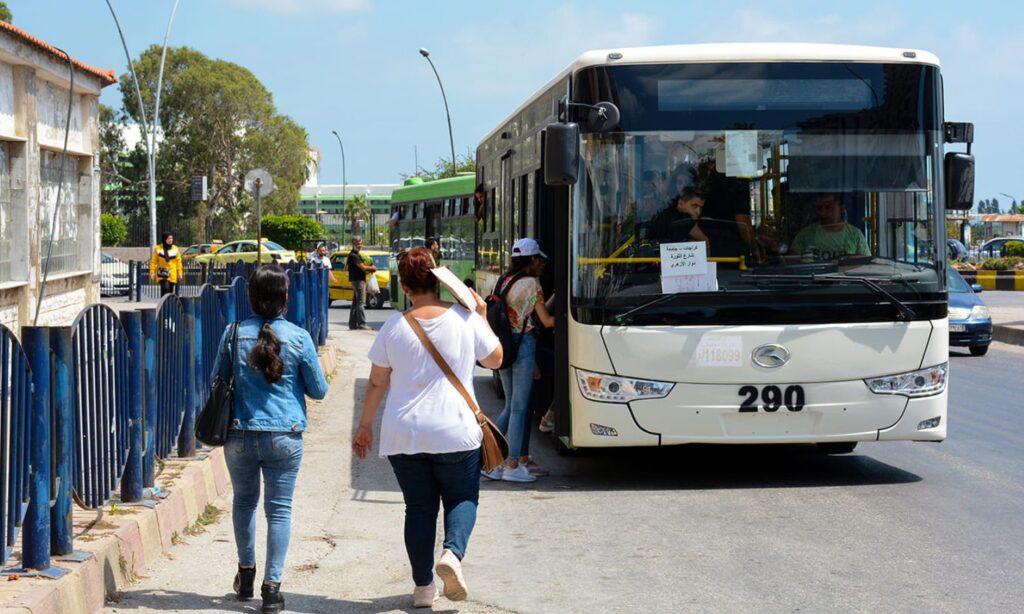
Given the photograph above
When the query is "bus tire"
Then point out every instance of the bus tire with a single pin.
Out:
(836, 447)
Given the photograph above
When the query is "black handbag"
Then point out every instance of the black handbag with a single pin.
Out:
(212, 423)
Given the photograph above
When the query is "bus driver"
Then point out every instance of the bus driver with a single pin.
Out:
(831, 237)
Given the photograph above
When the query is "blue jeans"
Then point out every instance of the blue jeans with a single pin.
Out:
(277, 455)
(517, 381)
(427, 480)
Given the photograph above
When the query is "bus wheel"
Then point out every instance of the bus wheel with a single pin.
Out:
(836, 447)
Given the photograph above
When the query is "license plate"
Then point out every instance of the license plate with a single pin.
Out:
(957, 328)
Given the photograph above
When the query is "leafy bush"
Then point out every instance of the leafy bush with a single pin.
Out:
(291, 230)
(1014, 249)
(113, 229)
(1013, 263)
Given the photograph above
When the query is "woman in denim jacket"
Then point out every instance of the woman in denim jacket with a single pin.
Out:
(275, 369)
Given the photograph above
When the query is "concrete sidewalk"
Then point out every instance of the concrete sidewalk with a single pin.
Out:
(1007, 309)
(347, 552)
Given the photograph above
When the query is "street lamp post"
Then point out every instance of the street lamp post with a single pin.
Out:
(1013, 199)
(344, 181)
(451, 140)
(148, 135)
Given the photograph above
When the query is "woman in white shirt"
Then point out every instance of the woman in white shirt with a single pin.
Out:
(428, 432)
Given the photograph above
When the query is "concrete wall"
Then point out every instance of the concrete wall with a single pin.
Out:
(34, 86)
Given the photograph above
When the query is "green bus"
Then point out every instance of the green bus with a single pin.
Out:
(441, 209)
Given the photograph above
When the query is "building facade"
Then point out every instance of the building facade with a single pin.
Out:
(35, 87)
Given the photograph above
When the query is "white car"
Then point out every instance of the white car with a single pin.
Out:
(114, 275)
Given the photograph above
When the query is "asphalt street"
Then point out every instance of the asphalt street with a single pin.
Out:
(891, 527)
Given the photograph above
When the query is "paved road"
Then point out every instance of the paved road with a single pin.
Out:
(891, 527)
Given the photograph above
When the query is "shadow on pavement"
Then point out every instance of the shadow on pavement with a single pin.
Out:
(687, 467)
(180, 601)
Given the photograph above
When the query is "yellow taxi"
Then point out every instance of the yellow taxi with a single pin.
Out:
(341, 287)
(246, 251)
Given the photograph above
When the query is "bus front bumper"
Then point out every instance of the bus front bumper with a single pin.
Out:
(701, 413)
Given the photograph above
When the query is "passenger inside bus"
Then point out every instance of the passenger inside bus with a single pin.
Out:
(678, 222)
(727, 221)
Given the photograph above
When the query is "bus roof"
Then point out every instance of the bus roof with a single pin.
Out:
(730, 52)
(462, 185)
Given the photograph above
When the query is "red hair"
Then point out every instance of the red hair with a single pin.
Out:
(414, 271)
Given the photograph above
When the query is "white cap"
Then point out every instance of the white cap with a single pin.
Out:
(527, 247)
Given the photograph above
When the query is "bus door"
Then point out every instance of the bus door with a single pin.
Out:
(432, 214)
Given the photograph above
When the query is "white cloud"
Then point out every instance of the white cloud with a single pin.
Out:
(294, 7)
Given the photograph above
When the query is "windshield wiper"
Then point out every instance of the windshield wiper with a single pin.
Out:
(904, 310)
(624, 318)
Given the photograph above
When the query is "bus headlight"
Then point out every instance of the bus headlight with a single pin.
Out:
(921, 383)
(615, 389)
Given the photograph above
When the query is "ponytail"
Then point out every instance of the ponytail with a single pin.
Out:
(268, 296)
(265, 356)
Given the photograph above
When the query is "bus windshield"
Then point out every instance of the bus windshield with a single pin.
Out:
(772, 174)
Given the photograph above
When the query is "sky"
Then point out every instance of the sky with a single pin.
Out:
(353, 65)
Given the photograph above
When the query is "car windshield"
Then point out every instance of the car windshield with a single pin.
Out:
(725, 181)
(956, 282)
(380, 261)
(273, 246)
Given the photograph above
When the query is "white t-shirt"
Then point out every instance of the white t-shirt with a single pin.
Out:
(424, 413)
(324, 261)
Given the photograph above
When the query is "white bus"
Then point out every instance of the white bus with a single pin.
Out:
(806, 301)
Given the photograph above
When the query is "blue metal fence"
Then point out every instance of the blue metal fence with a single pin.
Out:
(172, 350)
(99, 355)
(89, 407)
(14, 438)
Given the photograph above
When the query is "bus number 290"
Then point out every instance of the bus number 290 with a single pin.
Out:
(773, 398)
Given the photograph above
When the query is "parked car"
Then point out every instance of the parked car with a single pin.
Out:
(970, 323)
(341, 287)
(114, 276)
(993, 248)
(956, 249)
(199, 250)
(245, 251)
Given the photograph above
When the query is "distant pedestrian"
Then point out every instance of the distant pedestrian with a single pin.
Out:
(357, 270)
(435, 250)
(320, 257)
(428, 431)
(165, 267)
(275, 368)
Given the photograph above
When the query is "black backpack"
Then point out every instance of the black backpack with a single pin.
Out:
(497, 317)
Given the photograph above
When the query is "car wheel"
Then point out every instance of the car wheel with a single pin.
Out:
(978, 350)
(836, 447)
(379, 301)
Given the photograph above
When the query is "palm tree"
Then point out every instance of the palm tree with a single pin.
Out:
(357, 209)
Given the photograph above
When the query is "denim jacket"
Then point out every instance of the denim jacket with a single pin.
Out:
(260, 405)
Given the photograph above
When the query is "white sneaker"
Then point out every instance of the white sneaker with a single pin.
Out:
(519, 474)
(425, 596)
(493, 474)
(449, 568)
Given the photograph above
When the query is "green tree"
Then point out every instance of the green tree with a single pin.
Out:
(443, 167)
(5, 13)
(291, 230)
(218, 120)
(357, 210)
(113, 230)
(123, 176)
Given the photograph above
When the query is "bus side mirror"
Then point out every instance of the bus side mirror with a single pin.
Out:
(561, 154)
(959, 169)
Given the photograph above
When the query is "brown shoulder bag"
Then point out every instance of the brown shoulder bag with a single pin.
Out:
(494, 449)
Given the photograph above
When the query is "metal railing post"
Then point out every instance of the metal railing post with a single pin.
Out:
(187, 435)
(36, 531)
(150, 342)
(324, 312)
(62, 440)
(131, 479)
(199, 365)
(300, 299)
